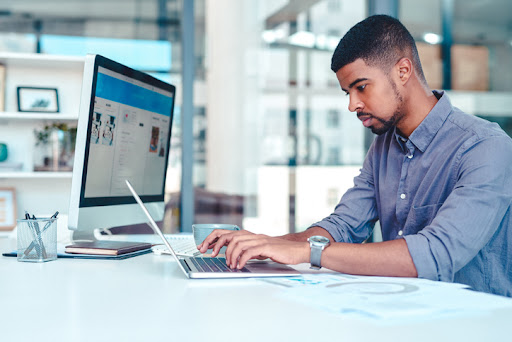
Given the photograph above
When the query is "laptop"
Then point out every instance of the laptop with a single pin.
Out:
(207, 268)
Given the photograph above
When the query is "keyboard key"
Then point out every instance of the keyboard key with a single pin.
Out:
(222, 261)
(214, 265)
(184, 246)
(200, 264)
(222, 264)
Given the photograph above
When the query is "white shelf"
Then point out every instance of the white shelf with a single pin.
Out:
(35, 175)
(45, 190)
(38, 116)
(40, 60)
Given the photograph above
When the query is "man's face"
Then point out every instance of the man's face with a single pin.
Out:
(373, 96)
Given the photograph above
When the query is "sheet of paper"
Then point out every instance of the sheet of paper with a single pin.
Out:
(387, 299)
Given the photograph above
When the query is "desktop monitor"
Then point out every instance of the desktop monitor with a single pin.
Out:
(123, 132)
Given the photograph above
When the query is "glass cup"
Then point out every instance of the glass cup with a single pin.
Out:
(37, 240)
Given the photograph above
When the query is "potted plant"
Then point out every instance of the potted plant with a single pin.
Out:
(55, 147)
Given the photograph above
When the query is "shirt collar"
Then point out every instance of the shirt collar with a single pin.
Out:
(423, 135)
(400, 140)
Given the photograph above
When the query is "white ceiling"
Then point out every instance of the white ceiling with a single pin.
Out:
(475, 21)
(108, 9)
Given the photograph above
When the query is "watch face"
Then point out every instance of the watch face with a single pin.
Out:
(319, 240)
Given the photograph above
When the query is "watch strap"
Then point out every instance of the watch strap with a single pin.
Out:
(316, 257)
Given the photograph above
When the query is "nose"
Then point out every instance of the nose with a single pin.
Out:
(354, 103)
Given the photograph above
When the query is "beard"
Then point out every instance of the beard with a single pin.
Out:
(386, 125)
(398, 115)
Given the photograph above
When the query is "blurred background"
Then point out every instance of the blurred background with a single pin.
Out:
(262, 136)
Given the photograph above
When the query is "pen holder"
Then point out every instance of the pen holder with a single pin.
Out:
(37, 240)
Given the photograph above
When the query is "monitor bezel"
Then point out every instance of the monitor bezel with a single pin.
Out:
(101, 61)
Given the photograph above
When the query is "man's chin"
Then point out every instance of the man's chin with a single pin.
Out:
(379, 130)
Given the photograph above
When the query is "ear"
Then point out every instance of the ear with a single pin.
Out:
(404, 70)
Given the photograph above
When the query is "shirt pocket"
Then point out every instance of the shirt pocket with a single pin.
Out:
(420, 217)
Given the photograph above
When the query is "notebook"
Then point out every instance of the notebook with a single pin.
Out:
(106, 247)
(204, 268)
(62, 254)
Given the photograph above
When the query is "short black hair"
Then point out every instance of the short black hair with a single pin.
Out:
(379, 40)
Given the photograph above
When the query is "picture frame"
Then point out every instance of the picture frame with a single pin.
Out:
(2, 86)
(36, 99)
(7, 208)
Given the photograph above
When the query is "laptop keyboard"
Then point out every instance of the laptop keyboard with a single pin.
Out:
(214, 265)
(182, 245)
(185, 246)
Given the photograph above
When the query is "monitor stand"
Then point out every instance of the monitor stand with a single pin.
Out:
(104, 234)
(84, 235)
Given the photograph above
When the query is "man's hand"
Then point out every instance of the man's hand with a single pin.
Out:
(244, 245)
(217, 239)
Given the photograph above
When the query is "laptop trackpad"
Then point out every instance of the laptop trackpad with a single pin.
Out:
(260, 266)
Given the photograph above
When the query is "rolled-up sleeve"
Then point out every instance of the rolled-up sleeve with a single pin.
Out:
(471, 214)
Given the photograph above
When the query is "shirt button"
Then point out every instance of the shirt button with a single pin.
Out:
(400, 233)
(409, 156)
(402, 196)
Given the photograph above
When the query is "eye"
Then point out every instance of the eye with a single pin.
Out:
(361, 87)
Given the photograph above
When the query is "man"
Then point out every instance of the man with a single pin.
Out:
(438, 180)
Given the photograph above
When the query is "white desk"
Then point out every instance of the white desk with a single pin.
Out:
(147, 298)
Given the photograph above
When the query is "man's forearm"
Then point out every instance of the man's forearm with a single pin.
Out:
(303, 236)
(389, 258)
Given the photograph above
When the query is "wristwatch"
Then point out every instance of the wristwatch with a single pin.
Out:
(317, 244)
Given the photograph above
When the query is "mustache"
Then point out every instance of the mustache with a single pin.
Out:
(359, 114)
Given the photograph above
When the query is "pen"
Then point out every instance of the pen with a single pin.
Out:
(49, 223)
(38, 231)
(34, 242)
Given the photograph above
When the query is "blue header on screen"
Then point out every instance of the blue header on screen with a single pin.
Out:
(114, 89)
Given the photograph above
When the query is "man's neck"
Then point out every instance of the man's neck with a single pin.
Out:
(417, 106)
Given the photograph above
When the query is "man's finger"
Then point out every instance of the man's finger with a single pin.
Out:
(221, 242)
(239, 247)
(243, 237)
(211, 239)
(255, 252)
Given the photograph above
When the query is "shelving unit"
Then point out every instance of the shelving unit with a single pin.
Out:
(38, 191)
(11, 116)
(35, 175)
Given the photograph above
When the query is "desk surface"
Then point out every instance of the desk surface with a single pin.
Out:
(149, 297)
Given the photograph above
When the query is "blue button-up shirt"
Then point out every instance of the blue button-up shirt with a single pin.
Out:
(447, 190)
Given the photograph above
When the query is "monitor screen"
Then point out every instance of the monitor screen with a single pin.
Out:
(123, 132)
